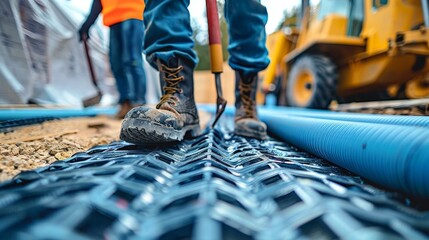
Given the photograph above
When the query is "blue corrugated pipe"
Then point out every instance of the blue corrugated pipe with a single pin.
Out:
(394, 156)
(389, 154)
(14, 114)
(422, 121)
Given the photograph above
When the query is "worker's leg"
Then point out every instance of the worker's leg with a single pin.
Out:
(116, 64)
(246, 31)
(132, 37)
(168, 31)
(168, 46)
(248, 55)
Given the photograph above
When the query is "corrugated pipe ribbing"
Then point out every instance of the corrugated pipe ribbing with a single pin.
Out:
(396, 157)
(421, 121)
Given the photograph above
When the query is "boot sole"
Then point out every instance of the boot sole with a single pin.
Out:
(139, 131)
(250, 134)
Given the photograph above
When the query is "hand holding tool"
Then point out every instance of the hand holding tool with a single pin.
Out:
(216, 57)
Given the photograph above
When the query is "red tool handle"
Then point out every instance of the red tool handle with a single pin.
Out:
(216, 57)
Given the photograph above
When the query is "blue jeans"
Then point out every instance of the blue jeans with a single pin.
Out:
(126, 61)
(169, 33)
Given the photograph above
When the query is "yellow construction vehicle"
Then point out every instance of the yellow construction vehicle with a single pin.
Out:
(351, 50)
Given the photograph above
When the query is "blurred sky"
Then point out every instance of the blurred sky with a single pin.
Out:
(275, 9)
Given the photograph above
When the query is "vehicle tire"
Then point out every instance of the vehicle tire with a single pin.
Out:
(312, 82)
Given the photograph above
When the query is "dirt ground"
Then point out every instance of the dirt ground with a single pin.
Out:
(34, 146)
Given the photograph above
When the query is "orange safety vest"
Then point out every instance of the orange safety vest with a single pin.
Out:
(115, 11)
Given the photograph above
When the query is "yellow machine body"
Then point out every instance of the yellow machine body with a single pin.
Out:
(375, 45)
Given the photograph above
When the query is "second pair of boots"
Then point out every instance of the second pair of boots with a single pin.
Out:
(176, 115)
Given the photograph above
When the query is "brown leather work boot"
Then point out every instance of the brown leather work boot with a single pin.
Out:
(174, 116)
(123, 110)
(246, 122)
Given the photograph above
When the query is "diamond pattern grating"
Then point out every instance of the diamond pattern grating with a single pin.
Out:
(217, 186)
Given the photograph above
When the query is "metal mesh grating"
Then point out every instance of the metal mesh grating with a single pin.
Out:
(217, 186)
(9, 125)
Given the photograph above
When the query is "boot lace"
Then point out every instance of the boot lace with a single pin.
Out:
(247, 102)
(172, 80)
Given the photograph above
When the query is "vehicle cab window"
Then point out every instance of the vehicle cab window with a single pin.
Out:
(379, 3)
(328, 7)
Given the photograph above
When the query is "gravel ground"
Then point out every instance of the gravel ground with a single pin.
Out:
(414, 111)
(34, 146)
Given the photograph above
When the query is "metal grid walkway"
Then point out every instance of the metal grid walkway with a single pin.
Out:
(8, 126)
(217, 186)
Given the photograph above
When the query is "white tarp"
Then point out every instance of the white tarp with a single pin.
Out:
(41, 59)
(15, 75)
